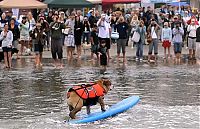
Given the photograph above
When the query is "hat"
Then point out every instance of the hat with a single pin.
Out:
(38, 24)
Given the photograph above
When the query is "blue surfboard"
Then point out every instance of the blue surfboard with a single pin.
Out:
(112, 111)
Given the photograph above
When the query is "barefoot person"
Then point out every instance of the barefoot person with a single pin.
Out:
(24, 34)
(102, 54)
(192, 28)
(104, 32)
(122, 28)
(38, 37)
(7, 38)
(166, 38)
(94, 42)
(16, 35)
(178, 33)
(56, 41)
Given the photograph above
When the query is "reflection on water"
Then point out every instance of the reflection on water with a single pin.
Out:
(35, 98)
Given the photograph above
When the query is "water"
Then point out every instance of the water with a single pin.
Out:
(35, 98)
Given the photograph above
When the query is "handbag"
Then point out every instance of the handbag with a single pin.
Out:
(115, 35)
(136, 37)
(149, 39)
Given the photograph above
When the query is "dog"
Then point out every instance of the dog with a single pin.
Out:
(87, 95)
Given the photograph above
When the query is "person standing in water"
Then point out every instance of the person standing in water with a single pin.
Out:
(7, 38)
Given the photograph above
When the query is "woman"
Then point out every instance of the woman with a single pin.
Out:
(166, 38)
(122, 28)
(24, 34)
(78, 31)
(191, 29)
(16, 35)
(7, 38)
(38, 36)
(153, 31)
(31, 20)
(139, 45)
(69, 36)
(46, 29)
(3, 20)
(134, 24)
(86, 33)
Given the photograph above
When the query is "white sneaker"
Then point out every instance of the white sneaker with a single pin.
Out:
(136, 59)
(141, 59)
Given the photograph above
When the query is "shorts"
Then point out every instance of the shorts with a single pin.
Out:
(7, 49)
(177, 47)
(121, 44)
(24, 38)
(15, 44)
(192, 43)
(166, 44)
(69, 41)
(108, 45)
(103, 60)
(38, 48)
(94, 48)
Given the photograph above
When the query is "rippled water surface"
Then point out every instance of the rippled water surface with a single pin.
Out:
(35, 98)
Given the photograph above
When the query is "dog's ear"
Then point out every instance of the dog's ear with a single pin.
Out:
(107, 82)
(99, 81)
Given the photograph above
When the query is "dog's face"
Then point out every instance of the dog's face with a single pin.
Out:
(107, 84)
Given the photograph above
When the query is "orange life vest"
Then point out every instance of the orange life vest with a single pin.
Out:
(92, 91)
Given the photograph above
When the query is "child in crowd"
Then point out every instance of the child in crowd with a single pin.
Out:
(166, 38)
(70, 44)
(102, 54)
(94, 42)
(178, 33)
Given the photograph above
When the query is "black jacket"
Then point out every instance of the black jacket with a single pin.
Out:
(198, 35)
(15, 31)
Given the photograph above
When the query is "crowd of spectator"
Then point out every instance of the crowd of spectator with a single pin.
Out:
(54, 29)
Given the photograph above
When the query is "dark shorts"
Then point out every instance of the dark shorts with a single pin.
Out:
(177, 48)
(7, 49)
(38, 48)
(107, 42)
(103, 60)
(94, 48)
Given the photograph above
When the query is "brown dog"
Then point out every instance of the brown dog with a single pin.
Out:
(87, 95)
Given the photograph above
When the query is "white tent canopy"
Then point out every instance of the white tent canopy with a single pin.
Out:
(95, 1)
(22, 4)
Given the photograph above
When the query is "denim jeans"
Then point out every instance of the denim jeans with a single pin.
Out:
(139, 50)
(153, 45)
(87, 37)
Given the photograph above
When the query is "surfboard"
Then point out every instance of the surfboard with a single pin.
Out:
(115, 109)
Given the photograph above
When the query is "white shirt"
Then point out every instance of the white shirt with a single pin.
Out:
(104, 29)
(153, 33)
(7, 41)
(192, 30)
